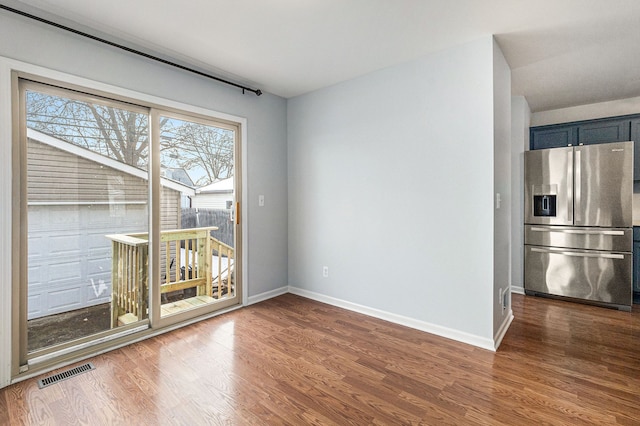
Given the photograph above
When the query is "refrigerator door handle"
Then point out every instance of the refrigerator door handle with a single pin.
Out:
(577, 231)
(579, 254)
(577, 214)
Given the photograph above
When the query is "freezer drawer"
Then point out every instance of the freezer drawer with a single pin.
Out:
(605, 239)
(590, 275)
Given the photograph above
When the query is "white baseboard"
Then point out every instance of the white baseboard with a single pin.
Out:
(399, 319)
(267, 295)
(503, 330)
(517, 289)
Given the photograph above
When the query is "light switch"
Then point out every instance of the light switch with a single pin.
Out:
(261, 200)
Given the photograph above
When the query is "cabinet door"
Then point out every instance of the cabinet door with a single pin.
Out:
(553, 137)
(635, 137)
(604, 131)
(636, 266)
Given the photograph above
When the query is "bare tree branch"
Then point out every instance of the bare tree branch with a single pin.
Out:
(206, 152)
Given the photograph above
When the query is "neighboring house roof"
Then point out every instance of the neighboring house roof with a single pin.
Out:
(179, 175)
(101, 159)
(221, 186)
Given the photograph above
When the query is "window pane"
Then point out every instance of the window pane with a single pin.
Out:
(197, 206)
(87, 187)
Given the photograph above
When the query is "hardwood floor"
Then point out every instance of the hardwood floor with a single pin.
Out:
(291, 360)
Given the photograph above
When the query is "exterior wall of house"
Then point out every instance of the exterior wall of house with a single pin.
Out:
(57, 176)
(211, 201)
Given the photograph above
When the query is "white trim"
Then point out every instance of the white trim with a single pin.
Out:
(267, 295)
(5, 225)
(503, 330)
(438, 330)
(517, 289)
(244, 210)
(101, 159)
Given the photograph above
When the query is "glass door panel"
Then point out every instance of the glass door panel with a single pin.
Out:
(86, 201)
(197, 193)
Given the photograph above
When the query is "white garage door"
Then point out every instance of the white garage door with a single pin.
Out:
(69, 256)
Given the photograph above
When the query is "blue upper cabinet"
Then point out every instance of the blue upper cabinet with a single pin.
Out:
(553, 136)
(604, 131)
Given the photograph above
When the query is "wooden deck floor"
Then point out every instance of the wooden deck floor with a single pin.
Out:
(293, 361)
(184, 304)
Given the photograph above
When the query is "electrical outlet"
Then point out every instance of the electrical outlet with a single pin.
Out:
(260, 200)
(325, 271)
(500, 295)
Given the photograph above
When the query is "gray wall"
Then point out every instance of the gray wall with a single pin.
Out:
(502, 186)
(520, 118)
(418, 137)
(38, 44)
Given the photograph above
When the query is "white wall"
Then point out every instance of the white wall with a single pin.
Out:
(520, 119)
(211, 201)
(38, 44)
(418, 136)
(502, 316)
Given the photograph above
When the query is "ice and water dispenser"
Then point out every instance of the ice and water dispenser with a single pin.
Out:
(544, 200)
(544, 205)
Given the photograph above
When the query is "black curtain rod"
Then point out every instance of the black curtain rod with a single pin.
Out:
(258, 92)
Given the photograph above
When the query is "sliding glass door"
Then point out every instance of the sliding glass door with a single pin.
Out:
(85, 170)
(126, 218)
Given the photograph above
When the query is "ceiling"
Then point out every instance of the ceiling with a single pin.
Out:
(562, 52)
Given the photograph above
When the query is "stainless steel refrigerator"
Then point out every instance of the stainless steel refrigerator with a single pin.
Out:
(578, 231)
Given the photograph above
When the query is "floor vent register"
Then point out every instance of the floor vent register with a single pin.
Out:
(64, 375)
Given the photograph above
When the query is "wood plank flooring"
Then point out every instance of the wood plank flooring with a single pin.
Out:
(294, 361)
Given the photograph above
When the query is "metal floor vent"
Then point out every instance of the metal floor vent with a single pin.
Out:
(48, 381)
